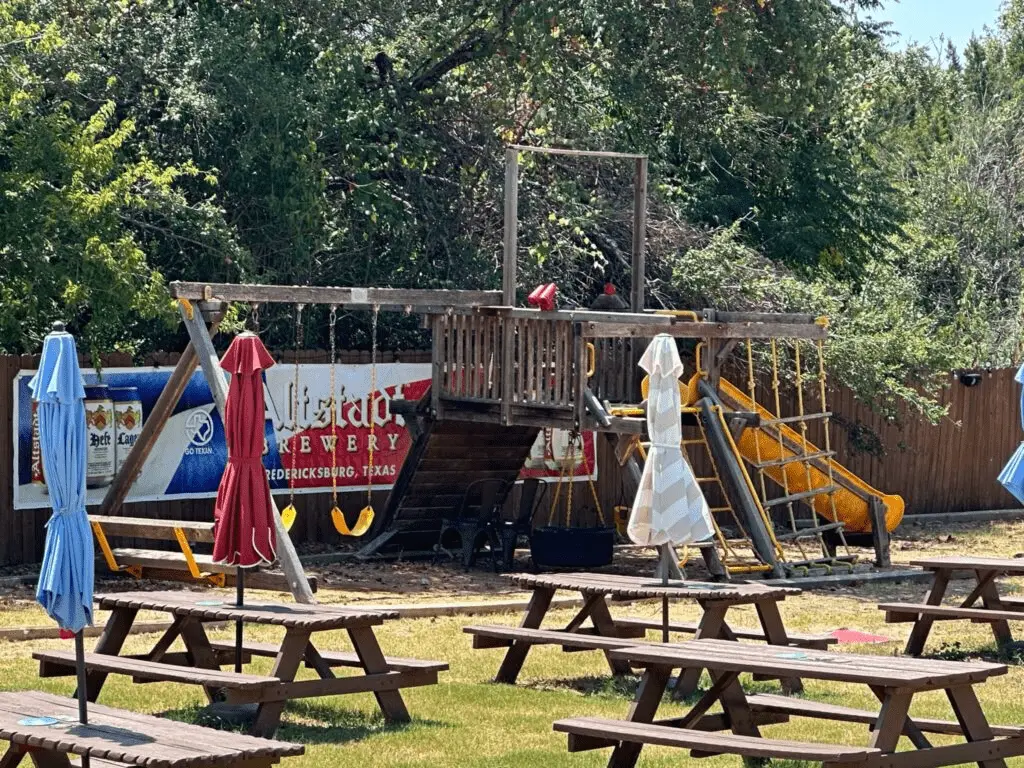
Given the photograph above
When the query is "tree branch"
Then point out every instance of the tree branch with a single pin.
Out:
(479, 45)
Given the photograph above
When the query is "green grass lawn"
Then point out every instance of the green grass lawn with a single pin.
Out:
(469, 721)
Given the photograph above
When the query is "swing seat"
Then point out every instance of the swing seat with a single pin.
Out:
(288, 515)
(363, 522)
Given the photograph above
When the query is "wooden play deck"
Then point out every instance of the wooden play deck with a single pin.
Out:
(894, 681)
(116, 737)
(201, 663)
(984, 605)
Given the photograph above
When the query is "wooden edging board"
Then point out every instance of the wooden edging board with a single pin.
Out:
(15, 634)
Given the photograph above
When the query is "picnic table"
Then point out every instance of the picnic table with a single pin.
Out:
(995, 610)
(894, 681)
(200, 663)
(45, 728)
(607, 634)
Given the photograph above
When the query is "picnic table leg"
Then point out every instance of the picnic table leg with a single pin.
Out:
(286, 665)
(642, 710)
(972, 720)
(12, 757)
(200, 652)
(990, 599)
(512, 664)
(372, 658)
(45, 758)
(734, 704)
(775, 634)
(711, 627)
(910, 729)
(111, 641)
(166, 640)
(605, 626)
(891, 720)
(923, 625)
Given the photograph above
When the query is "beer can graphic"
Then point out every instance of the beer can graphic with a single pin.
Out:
(127, 422)
(99, 427)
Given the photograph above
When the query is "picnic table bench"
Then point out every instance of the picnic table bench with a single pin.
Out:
(45, 728)
(200, 663)
(607, 634)
(894, 681)
(994, 610)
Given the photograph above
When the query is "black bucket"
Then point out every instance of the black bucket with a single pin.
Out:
(552, 547)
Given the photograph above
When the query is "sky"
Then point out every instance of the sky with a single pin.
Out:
(925, 20)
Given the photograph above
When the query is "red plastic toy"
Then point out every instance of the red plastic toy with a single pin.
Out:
(543, 297)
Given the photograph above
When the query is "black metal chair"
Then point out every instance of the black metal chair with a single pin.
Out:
(475, 522)
(521, 526)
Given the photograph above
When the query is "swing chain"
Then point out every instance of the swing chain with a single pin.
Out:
(295, 403)
(372, 403)
(332, 322)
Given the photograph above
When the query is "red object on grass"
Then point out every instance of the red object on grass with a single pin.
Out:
(243, 528)
(853, 636)
(543, 297)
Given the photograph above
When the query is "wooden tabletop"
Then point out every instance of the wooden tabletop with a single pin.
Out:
(207, 607)
(888, 671)
(1010, 565)
(651, 586)
(127, 737)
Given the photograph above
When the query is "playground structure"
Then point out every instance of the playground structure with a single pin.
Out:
(501, 373)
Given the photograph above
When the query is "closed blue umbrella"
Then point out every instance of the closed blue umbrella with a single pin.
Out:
(66, 578)
(1012, 476)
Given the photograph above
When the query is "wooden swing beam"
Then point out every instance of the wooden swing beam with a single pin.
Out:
(412, 300)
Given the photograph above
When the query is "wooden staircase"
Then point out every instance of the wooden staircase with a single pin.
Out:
(446, 457)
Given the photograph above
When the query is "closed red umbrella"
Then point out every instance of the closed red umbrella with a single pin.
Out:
(243, 522)
(243, 530)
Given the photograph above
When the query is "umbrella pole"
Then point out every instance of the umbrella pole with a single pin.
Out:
(239, 601)
(665, 550)
(83, 693)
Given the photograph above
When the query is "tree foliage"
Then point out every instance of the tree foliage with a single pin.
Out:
(798, 162)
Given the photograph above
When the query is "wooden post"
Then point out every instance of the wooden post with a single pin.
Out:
(636, 294)
(162, 409)
(203, 344)
(508, 270)
(879, 532)
(508, 281)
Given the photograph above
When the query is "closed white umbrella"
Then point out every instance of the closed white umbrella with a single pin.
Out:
(669, 509)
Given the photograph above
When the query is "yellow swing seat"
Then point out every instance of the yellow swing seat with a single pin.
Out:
(363, 523)
(288, 515)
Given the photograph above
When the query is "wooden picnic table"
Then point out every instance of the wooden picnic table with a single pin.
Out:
(995, 610)
(607, 634)
(200, 663)
(118, 737)
(893, 680)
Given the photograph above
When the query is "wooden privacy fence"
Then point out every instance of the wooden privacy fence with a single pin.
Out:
(949, 467)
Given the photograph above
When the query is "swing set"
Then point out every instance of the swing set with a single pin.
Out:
(202, 307)
(366, 515)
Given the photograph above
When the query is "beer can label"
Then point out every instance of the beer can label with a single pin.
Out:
(127, 427)
(101, 451)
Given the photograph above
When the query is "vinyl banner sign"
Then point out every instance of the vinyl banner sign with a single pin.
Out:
(301, 449)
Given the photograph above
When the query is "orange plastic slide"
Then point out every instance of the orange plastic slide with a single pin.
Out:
(850, 508)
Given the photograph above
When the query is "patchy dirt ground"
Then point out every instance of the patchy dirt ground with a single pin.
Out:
(409, 581)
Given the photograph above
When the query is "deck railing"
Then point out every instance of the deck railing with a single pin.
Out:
(505, 360)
